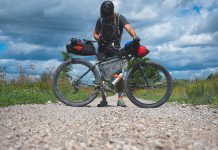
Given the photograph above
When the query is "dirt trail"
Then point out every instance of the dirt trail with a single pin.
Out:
(56, 126)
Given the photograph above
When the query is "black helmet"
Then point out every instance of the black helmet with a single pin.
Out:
(107, 9)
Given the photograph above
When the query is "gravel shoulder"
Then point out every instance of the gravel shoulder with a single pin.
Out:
(57, 126)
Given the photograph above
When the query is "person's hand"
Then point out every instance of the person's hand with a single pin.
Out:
(100, 38)
(136, 39)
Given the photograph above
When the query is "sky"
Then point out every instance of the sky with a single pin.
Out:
(182, 35)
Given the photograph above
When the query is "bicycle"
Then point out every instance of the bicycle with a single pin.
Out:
(77, 82)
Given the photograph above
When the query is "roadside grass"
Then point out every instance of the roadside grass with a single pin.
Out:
(38, 92)
(25, 93)
(153, 95)
(197, 92)
(25, 90)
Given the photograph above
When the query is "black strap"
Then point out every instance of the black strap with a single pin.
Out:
(117, 26)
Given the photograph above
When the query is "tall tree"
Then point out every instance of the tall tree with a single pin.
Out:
(65, 55)
(151, 72)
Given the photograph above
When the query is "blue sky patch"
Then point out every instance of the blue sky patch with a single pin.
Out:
(187, 11)
(197, 8)
(2, 47)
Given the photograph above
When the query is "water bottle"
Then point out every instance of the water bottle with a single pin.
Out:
(118, 78)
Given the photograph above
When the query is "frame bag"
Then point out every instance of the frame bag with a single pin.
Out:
(110, 67)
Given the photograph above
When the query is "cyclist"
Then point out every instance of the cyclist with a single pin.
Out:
(108, 33)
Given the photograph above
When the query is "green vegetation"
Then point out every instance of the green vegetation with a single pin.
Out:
(197, 92)
(150, 94)
(71, 93)
(151, 72)
(24, 89)
(25, 93)
(153, 75)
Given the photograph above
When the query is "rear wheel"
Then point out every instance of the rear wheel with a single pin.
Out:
(73, 86)
(148, 85)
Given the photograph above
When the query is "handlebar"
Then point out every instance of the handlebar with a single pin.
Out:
(136, 40)
(89, 41)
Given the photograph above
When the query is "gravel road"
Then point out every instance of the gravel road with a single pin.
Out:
(56, 126)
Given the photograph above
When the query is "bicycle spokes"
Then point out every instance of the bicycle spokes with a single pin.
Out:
(148, 84)
(76, 83)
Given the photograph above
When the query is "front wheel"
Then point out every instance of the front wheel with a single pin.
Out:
(148, 85)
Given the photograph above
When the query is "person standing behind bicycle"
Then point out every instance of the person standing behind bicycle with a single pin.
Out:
(108, 33)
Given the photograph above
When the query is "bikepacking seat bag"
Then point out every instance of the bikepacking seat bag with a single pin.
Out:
(78, 47)
(110, 67)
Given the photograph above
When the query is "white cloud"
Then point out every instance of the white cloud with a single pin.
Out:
(179, 36)
(193, 74)
(146, 13)
(4, 38)
(117, 5)
(200, 39)
(158, 32)
(170, 4)
(184, 58)
(12, 65)
(23, 47)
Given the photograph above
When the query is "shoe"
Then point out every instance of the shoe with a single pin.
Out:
(121, 103)
(103, 103)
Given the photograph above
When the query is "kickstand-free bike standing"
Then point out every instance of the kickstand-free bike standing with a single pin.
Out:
(77, 82)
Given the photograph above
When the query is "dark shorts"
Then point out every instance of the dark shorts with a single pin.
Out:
(104, 51)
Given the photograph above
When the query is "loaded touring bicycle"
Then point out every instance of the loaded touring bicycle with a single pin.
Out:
(77, 82)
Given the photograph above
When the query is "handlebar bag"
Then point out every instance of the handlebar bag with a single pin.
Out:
(78, 47)
(132, 47)
(136, 49)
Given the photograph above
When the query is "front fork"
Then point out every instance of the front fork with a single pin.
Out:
(143, 74)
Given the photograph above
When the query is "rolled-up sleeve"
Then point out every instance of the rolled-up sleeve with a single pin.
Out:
(123, 20)
(98, 25)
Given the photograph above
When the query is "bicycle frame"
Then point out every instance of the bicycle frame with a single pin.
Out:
(96, 64)
(123, 67)
(120, 54)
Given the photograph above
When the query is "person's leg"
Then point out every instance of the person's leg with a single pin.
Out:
(120, 101)
(120, 88)
(100, 56)
(103, 102)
